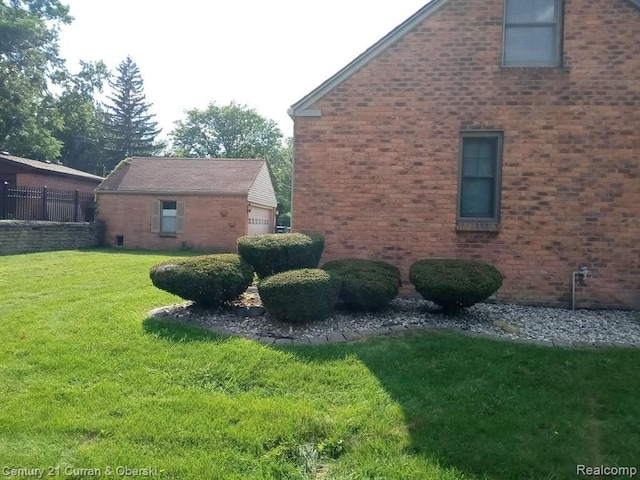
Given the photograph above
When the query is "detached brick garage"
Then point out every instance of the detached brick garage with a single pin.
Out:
(170, 203)
(503, 130)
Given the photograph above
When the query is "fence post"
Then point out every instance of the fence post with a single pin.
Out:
(4, 201)
(76, 203)
(44, 203)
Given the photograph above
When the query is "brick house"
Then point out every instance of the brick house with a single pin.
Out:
(200, 203)
(23, 172)
(68, 196)
(503, 130)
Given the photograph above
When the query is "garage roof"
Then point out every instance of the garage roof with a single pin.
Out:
(183, 175)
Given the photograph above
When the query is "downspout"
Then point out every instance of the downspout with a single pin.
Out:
(582, 272)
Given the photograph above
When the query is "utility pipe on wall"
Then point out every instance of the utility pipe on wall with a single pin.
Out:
(582, 272)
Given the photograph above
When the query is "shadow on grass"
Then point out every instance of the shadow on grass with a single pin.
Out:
(492, 409)
(499, 410)
(179, 333)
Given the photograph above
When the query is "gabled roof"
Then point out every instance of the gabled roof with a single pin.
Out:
(301, 108)
(183, 175)
(48, 167)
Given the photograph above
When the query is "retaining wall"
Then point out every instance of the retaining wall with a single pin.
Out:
(32, 236)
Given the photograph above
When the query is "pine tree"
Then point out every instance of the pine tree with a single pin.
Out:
(131, 131)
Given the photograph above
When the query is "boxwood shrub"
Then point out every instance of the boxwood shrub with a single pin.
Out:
(299, 296)
(207, 280)
(367, 285)
(454, 284)
(275, 253)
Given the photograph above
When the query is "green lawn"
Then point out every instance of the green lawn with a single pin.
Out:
(87, 382)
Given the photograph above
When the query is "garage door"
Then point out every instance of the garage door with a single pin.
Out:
(260, 221)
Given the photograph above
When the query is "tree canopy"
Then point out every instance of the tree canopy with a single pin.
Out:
(281, 169)
(29, 60)
(231, 131)
(82, 132)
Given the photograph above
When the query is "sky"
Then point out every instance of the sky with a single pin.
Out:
(263, 54)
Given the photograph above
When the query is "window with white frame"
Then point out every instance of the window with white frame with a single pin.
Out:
(169, 217)
(532, 33)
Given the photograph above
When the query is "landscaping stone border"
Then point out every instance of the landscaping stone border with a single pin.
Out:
(163, 314)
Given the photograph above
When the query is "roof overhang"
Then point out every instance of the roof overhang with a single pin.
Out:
(165, 193)
(302, 107)
(262, 205)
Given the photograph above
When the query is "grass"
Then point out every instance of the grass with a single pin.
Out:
(88, 382)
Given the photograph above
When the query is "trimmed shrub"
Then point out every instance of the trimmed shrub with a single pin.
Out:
(274, 253)
(367, 285)
(454, 284)
(207, 280)
(299, 296)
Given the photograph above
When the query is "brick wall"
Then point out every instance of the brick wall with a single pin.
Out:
(59, 182)
(377, 172)
(32, 236)
(211, 222)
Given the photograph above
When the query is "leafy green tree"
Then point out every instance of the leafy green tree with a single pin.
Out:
(232, 131)
(237, 131)
(82, 133)
(281, 168)
(129, 125)
(29, 60)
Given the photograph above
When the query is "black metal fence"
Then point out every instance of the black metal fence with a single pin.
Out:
(26, 203)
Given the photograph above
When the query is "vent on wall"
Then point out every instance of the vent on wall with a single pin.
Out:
(119, 240)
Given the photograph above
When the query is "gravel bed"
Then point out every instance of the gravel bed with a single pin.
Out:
(514, 322)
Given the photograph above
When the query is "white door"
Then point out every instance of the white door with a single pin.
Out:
(260, 220)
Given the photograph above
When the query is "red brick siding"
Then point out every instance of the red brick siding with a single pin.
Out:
(377, 172)
(57, 182)
(211, 222)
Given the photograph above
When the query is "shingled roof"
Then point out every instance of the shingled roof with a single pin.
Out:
(48, 167)
(183, 175)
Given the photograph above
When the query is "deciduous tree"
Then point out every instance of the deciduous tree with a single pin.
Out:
(280, 167)
(29, 61)
(231, 131)
(82, 133)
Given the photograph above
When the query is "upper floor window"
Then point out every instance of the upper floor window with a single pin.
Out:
(479, 177)
(532, 33)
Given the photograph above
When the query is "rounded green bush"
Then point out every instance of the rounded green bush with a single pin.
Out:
(454, 284)
(367, 285)
(206, 280)
(299, 296)
(274, 253)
